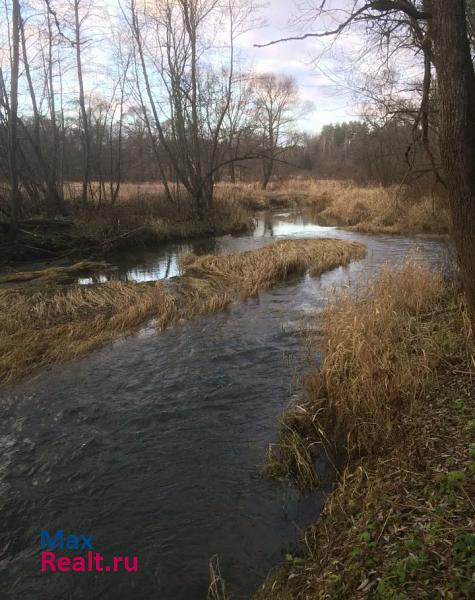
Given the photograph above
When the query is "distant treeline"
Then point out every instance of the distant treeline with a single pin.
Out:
(145, 92)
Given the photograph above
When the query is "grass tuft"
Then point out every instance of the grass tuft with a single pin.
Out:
(375, 209)
(217, 586)
(293, 457)
(382, 351)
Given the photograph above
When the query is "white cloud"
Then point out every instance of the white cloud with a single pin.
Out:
(319, 77)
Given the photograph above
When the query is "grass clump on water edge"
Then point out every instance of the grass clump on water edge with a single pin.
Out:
(294, 456)
(217, 586)
(43, 325)
(396, 393)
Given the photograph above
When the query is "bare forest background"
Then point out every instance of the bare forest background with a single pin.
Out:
(93, 96)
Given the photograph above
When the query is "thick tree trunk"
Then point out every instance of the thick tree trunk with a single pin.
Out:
(456, 89)
(203, 198)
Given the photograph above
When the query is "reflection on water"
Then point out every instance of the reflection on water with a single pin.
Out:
(151, 265)
(154, 444)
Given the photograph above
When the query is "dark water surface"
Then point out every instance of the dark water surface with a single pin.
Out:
(154, 444)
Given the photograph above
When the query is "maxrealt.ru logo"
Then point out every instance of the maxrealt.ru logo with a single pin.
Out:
(87, 559)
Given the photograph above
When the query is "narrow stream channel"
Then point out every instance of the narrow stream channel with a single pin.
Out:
(155, 443)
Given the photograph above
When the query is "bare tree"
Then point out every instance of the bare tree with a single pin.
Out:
(48, 166)
(239, 122)
(276, 111)
(178, 79)
(439, 28)
(15, 197)
(85, 125)
(115, 149)
(456, 88)
(188, 77)
(52, 180)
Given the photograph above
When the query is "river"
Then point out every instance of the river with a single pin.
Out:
(154, 444)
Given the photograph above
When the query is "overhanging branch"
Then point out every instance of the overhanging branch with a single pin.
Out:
(380, 6)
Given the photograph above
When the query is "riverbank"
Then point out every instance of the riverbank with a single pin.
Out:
(138, 220)
(142, 218)
(365, 209)
(396, 393)
(48, 322)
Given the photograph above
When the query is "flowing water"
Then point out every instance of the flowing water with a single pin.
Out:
(155, 443)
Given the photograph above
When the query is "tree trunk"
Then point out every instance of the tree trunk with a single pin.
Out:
(268, 165)
(456, 88)
(13, 122)
(203, 198)
(82, 104)
(55, 200)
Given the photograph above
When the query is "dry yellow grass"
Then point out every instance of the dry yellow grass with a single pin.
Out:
(248, 272)
(396, 394)
(381, 210)
(52, 275)
(146, 218)
(41, 326)
(367, 209)
(397, 525)
(150, 192)
(141, 217)
(217, 587)
(383, 349)
(128, 190)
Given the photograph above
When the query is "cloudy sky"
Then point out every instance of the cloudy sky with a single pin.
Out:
(320, 71)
